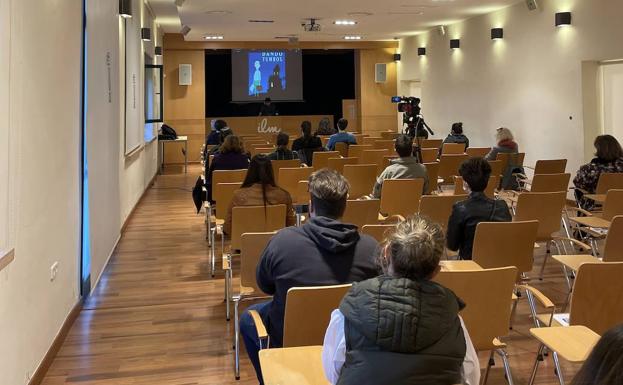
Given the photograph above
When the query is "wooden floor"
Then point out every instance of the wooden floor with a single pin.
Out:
(157, 317)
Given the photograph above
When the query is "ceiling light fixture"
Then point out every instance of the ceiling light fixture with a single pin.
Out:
(455, 43)
(352, 37)
(125, 8)
(497, 33)
(563, 19)
(345, 22)
(421, 51)
(213, 37)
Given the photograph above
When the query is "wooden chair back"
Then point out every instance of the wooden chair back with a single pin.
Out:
(324, 139)
(499, 244)
(279, 164)
(496, 167)
(374, 157)
(262, 150)
(449, 166)
(550, 166)
(613, 205)
(308, 312)
(401, 196)
(378, 232)
(369, 140)
(429, 143)
(389, 135)
(258, 142)
(356, 150)
(361, 178)
(609, 181)
(429, 155)
(222, 193)
(488, 295)
(359, 137)
(302, 193)
(432, 170)
(550, 182)
(338, 164)
(342, 148)
(597, 296)
(477, 152)
(321, 158)
(255, 219)
(439, 207)
(289, 178)
(613, 248)
(507, 159)
(362, 212)
(389, 145)
(453, 148)
(543, 207)
(251, 247)
(492, 185)
(228, 176)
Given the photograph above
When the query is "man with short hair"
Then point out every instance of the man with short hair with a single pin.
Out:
(342, 136)
(405, 167)
(477, 208)
(324, 251)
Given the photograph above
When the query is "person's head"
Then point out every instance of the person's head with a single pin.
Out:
(328, 192)
(267, 101)
(282, 140)
(306, 128)
(342, 124)
(257, 65)
(476, 172)
(457, 128)
(503, 134)
(404, 145)
(232, 144)
(260, 171)
(604, 365)
(219, 124)
(608, 148)
(413, 249)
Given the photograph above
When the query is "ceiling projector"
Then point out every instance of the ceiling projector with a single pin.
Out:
(311, 26)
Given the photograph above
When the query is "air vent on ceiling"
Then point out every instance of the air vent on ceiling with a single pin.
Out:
(261, 21)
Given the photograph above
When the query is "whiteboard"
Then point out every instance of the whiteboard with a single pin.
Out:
(133, 81)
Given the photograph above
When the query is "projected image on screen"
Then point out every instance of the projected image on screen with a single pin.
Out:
(259, 74)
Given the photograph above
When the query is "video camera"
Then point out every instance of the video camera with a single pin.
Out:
(410, 106)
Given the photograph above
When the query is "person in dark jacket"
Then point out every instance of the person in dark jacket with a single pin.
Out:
(604, 366)
(401, 328)
(231, 156)
(282, 152)
(477, 208)
(457, 136)
(324, 251)
(268, 108)
(307, 144)
(215, 134)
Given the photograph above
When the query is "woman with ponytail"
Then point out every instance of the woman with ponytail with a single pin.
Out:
(259, 189)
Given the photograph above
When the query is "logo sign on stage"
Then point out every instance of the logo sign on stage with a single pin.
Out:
(264, 128)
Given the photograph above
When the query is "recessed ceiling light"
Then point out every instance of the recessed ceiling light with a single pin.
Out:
(352, 37)
(261, 21)
(360, 14)
(345, 22)
(218, 12)
(213, 37)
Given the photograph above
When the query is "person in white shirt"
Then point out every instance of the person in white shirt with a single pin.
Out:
(401, 328)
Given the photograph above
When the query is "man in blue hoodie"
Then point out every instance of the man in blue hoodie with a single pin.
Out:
(324, 251)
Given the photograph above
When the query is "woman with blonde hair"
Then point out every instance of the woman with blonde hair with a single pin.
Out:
(505, 143)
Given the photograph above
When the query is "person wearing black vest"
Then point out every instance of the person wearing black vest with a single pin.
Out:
(282, 152)
(401, 328)
(467, 214)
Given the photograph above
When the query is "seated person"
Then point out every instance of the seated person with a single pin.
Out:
(505, 144)
(477, 208)
(401, 327)
(215, 134)
(324, 251)
(259, 189)
(283, 152)
(457, 136)
(231, 156)
(405, 167)
(604, 365)
(342, 136)
(307, 144)
(608, 159)
(324, 127)
(268, 108)
(223, 132)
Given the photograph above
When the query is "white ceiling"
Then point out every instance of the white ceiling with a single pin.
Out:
(376, 20)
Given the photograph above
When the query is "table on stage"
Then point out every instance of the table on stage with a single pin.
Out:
(180, 139)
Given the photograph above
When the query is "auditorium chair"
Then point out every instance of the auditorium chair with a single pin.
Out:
(477, 152)
(361, 178)
(449, 166)
(289, 178)
(222, 193)
(387, 159)
(432, 170)
(496, 167)
(439, 207)
(596, 306)
(338, 164)
(251, 247)
(279, 164)
(356, 150)
(374, 157)
(429, 155)
(361, 212)
(378, 232)
(428, 143)
(321, 158)
(390, 135)
(369, 140)
(549, 182)
(389, 145)
(453, 148)
(400, 197)
(549, 166)
(596, 224)
(490, 191)
(609, 181)
(300, 365)
(489, 295)
(221, 176)
(249, 219)
(342, 148)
